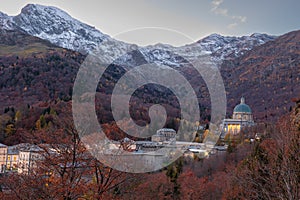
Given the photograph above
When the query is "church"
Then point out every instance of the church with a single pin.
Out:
(241, 117)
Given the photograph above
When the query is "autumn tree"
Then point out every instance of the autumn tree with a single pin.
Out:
(272, 171)
(66, 171)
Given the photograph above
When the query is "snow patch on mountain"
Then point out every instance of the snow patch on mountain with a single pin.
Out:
(58, 27)
(6, 22)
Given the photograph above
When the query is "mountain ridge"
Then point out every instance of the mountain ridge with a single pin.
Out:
(58, 27)
(240, 60)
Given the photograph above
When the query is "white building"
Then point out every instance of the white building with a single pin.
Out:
(241, 117)
(3, 157)
(28, 158)
(12, 158)
(164, 134)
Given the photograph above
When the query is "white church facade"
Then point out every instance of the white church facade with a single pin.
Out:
(241, 117)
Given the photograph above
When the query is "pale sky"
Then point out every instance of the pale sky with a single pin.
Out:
(175, 22)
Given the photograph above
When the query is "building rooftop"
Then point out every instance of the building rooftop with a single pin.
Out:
(166, 130)
(31, 148)
(242, 107)
(2, 145)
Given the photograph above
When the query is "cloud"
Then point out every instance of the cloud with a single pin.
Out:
(242, 19)
(219, 10)
(231, 26)
(216, 8)
(217, 3)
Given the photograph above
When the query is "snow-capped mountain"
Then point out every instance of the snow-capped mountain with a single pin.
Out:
(6, 22)
(58, 27)
(217, 46)
(225, 46)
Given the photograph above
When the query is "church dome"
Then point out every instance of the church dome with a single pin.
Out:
(242, 107)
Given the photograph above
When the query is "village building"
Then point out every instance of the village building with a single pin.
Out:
(3, 157)
(12, 158)
(241, 117)
(164, 134)
(28, 158)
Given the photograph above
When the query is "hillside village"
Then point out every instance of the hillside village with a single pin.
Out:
(252, 154)
(21, 158)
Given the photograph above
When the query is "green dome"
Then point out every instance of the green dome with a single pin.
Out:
(242, 107)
